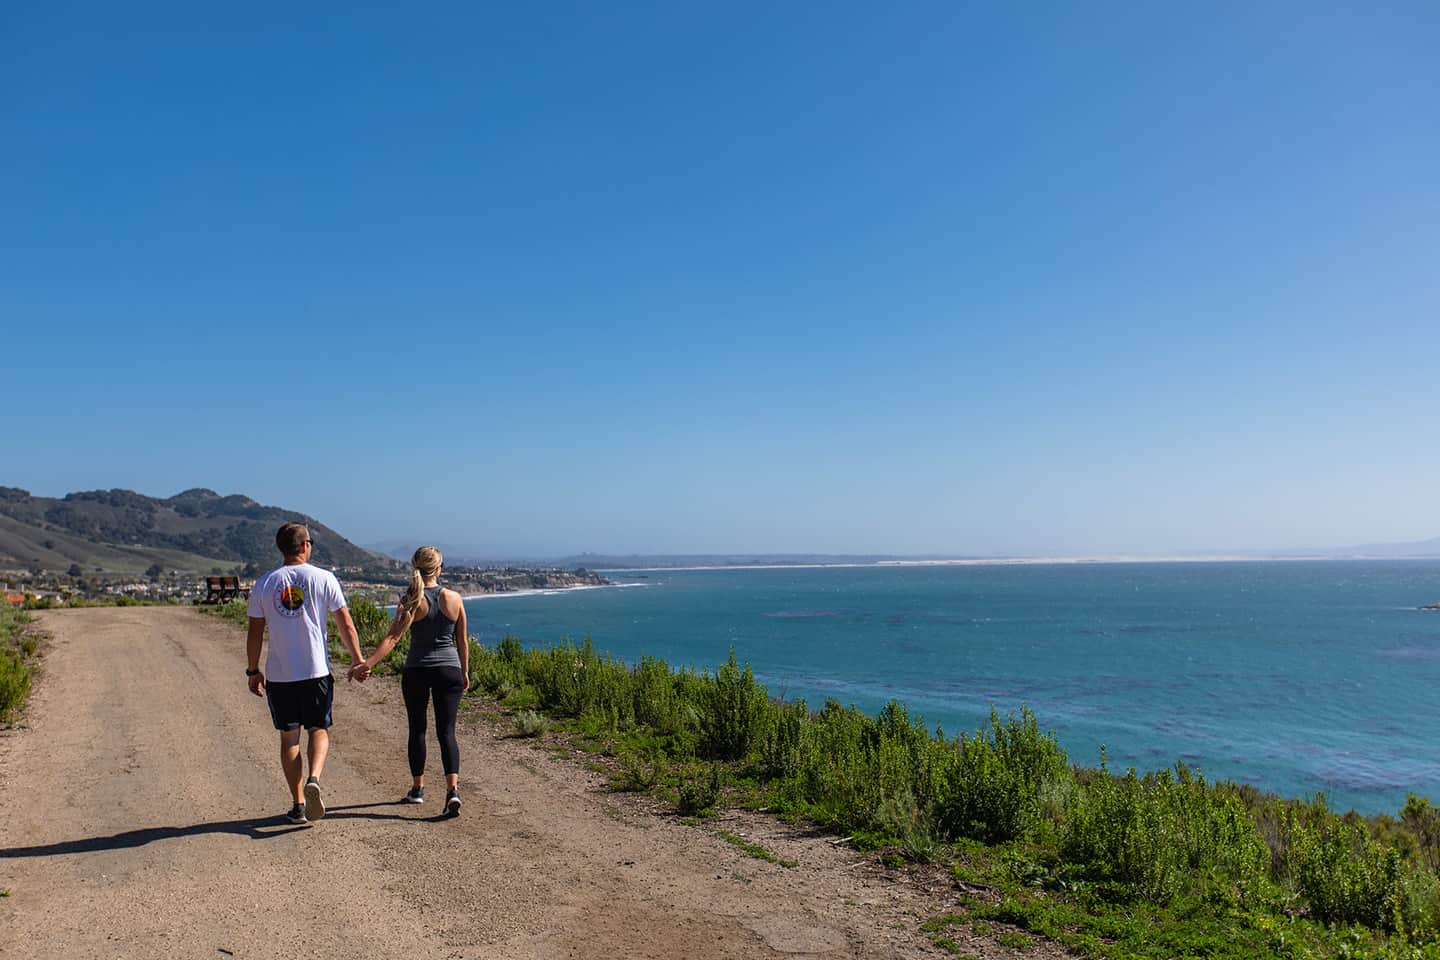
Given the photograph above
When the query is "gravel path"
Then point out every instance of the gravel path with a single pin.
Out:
(142, 800)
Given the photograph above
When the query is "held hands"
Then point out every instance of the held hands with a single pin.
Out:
(360, 671)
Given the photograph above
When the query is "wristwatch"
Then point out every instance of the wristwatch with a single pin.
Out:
(251, 673)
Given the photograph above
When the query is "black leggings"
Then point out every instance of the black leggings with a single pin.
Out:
(444, 684)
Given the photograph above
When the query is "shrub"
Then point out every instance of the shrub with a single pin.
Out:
(510, 650)
(1343, 875)
(912, 828)
(492, 673)
(14, 682)
(699, 794)
(1423, 820)
(1116, 837)
(528, 723)
(522, 698)
(732, 709)
(1151, 838)
(780, 744)
(835, 782)
(371, 621)
(640, 770)
(1004, 780)
(573, 680)
(656, 699)
(16, 645)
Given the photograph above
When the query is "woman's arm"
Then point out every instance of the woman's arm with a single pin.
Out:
(462, 645)
(392, 637)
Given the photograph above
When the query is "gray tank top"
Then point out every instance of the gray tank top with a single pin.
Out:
(432, 639)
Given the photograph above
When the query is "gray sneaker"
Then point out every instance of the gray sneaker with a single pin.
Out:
(296, 814)
(314, 806)
(416, 795)
(452, 803)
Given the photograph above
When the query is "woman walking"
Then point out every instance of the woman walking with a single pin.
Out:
(437, 669)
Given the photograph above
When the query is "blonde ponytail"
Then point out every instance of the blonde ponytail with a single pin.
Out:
(424, 565)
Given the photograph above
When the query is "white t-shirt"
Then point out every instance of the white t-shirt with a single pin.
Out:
(295, 601)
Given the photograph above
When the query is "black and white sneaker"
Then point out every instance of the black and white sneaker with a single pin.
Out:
(314, 806)
(452, 802)
(416, 795)
(296, 814)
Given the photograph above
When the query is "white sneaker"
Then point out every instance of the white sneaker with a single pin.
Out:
(314, 806)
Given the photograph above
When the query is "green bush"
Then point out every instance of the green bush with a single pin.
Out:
(835, 782)
(573, 681)
(657, 700)
(1343, 875)
(16, 648)
(911, 827)
(700, 793)
(1005, 780)
(492, 673)
(528, 723)
(1153, 838)
(1422, 819)
(510, 650)
(1117, 838)
(372, 622)
(522, 698)
(14, 682)
(640, 769)
(780, 743)
(732, 711)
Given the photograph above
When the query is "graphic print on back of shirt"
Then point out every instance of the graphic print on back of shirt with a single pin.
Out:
(289, 599)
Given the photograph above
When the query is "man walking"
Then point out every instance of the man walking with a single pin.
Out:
(294, 601)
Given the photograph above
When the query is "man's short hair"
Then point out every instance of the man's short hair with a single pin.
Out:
(291, 538)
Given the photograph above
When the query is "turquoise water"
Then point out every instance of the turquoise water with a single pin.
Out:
(1297, 677)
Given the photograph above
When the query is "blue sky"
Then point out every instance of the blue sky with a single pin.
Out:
(917, 278)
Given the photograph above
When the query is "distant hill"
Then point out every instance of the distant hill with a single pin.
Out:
(122, 531)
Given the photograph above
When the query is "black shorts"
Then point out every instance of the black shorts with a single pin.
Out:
(304, 703)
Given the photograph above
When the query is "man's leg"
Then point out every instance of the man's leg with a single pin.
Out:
(319, 749)
(290, 761)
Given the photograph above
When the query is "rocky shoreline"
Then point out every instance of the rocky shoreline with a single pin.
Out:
(471, 580)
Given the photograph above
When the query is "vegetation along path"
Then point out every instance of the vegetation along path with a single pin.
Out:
(142, 799)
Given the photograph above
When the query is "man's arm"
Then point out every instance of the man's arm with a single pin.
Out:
(348, 634)
(253, 641)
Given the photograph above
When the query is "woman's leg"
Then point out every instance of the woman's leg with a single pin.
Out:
(448, 686)
(415, 686)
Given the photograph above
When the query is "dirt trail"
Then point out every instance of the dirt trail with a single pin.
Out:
(142, 800)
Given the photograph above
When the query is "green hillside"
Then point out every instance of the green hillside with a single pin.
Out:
(120, 531)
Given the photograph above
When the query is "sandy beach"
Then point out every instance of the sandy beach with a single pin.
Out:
(969, 562)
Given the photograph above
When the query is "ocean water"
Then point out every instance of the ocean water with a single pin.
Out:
(1297, 677)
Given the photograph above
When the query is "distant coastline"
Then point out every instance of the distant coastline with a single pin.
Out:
(546, 591)
(1003, 561)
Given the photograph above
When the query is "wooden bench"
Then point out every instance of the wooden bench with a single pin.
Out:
(221, 589)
